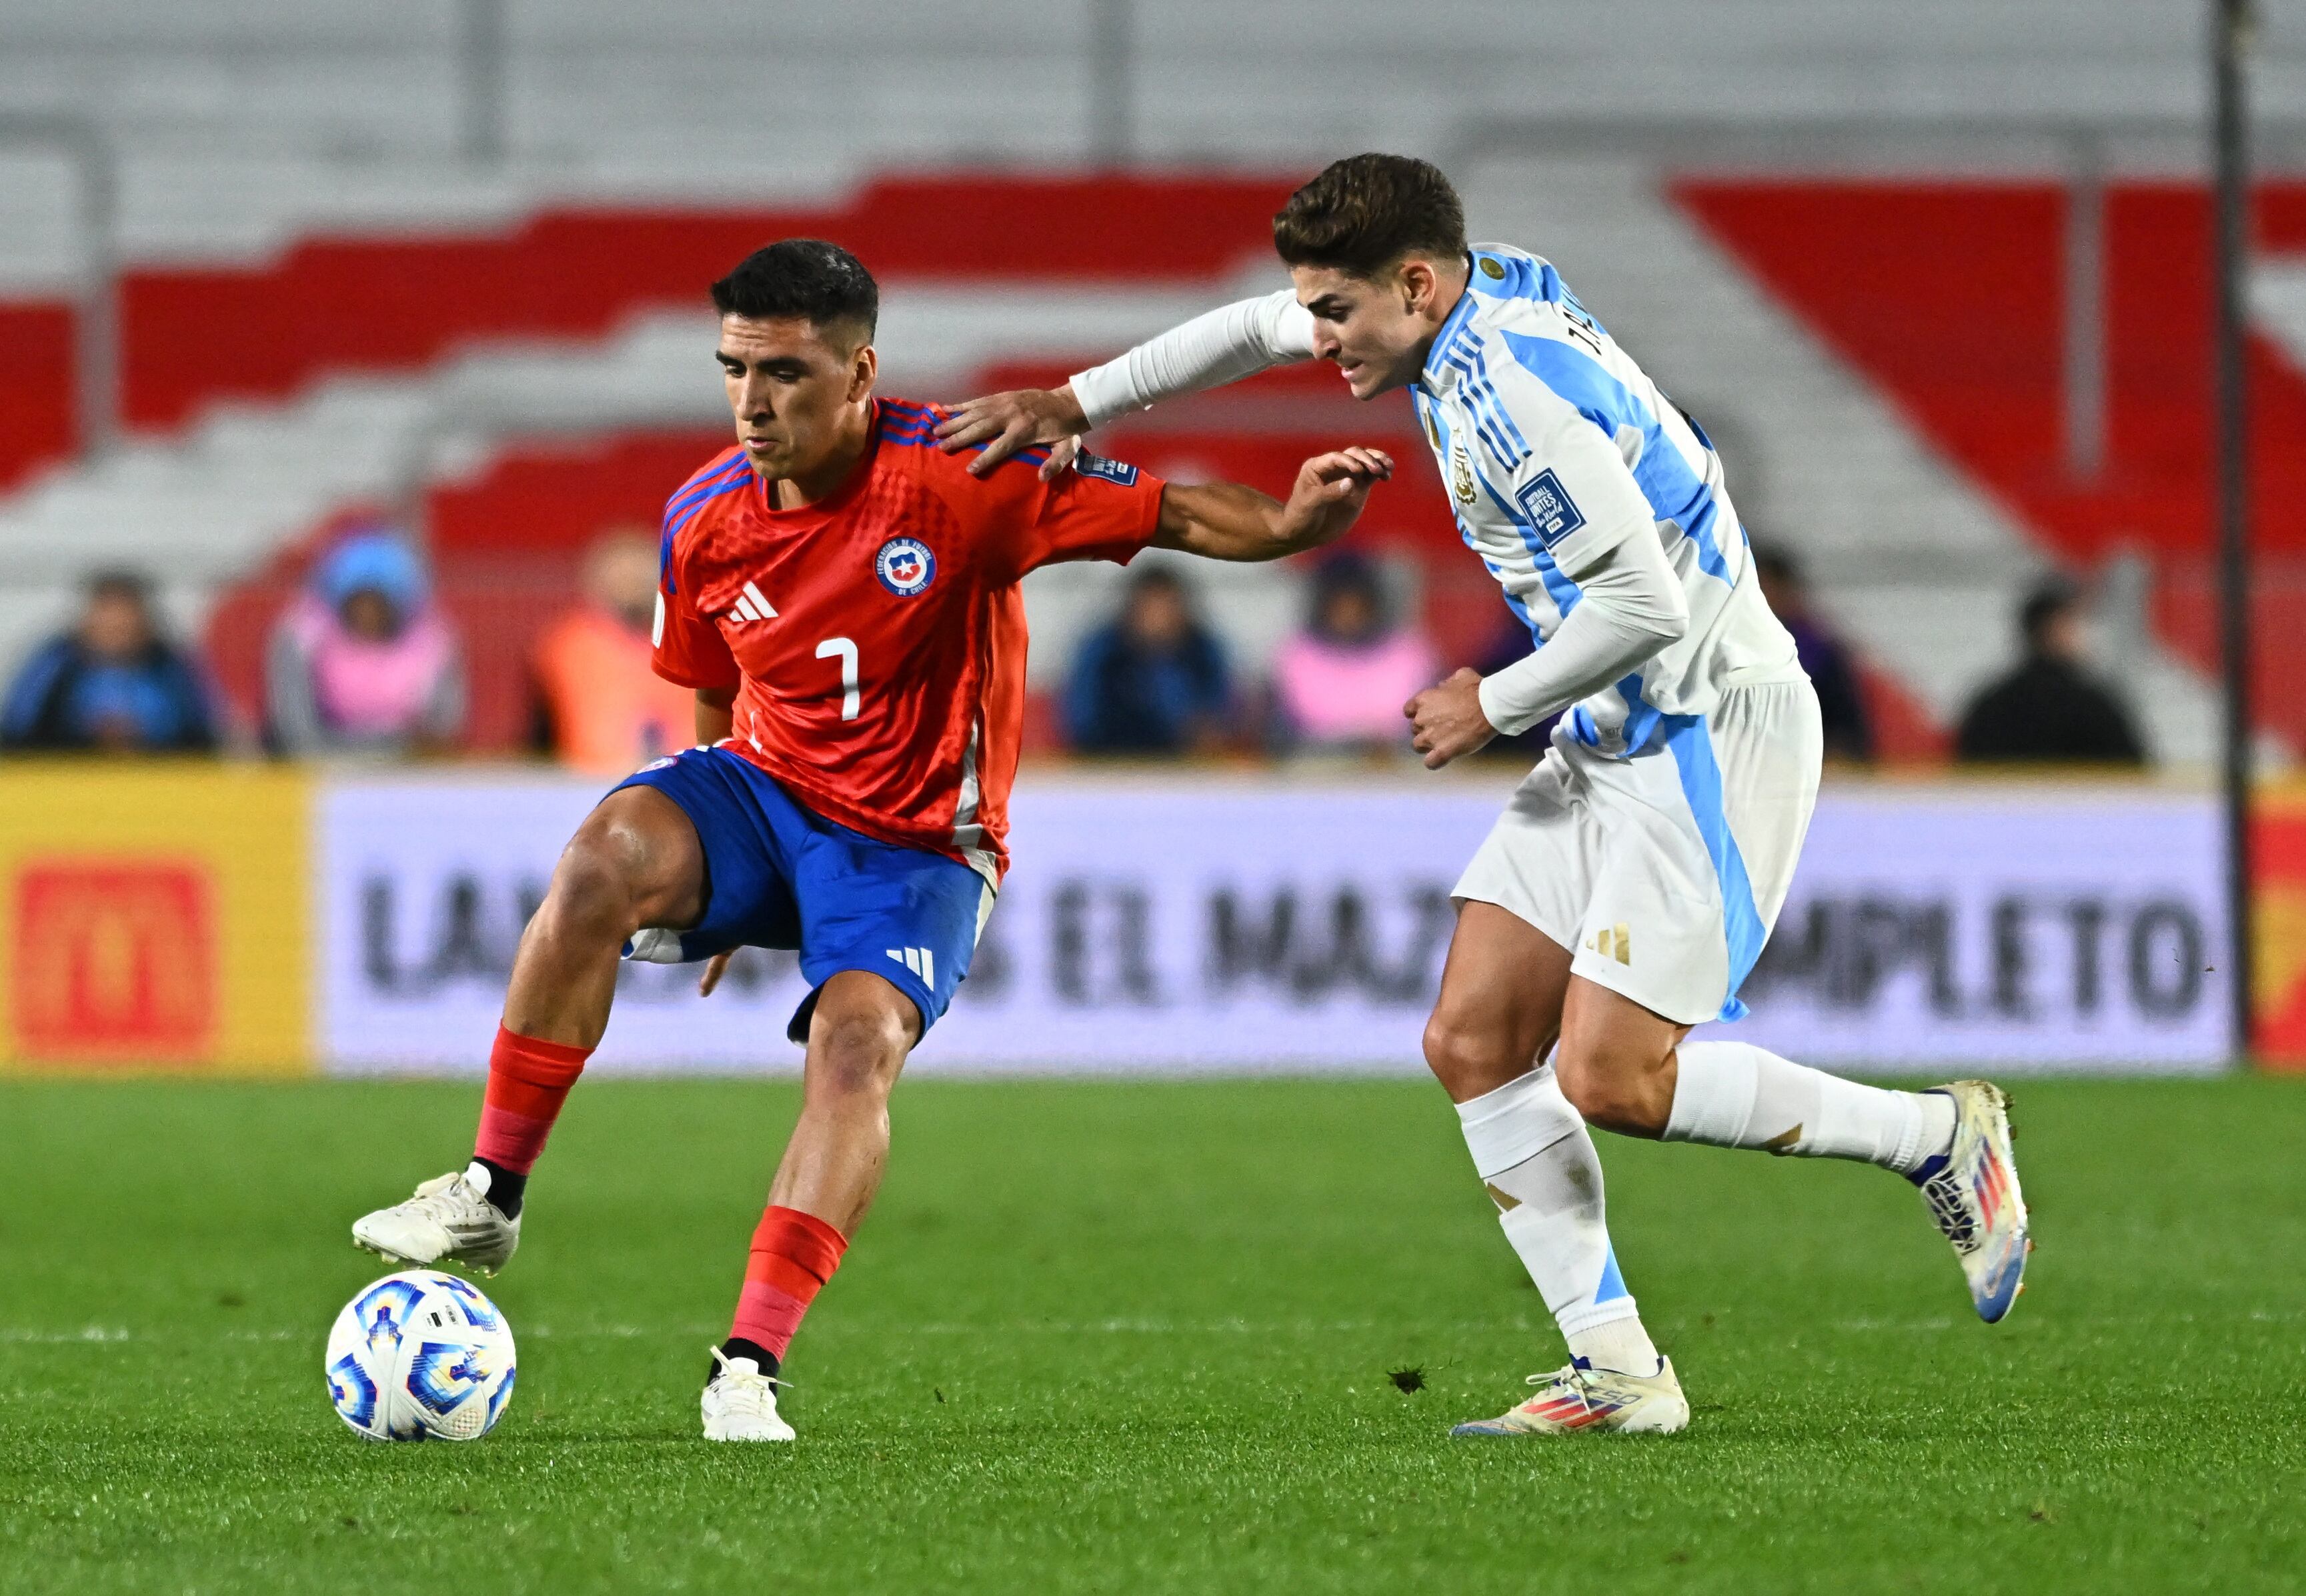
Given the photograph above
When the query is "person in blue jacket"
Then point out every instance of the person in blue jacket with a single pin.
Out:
(113, 684)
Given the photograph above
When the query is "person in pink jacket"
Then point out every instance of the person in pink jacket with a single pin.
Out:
(364, 663)
(1339, 683)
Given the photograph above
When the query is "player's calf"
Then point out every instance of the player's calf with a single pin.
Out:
(859, 1032)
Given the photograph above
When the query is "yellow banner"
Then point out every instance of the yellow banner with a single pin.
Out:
(156, 918)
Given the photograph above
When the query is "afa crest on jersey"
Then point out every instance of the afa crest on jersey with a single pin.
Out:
(905, 566)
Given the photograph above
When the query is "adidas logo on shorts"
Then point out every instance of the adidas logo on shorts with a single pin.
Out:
(919, 960)
(1613, 941)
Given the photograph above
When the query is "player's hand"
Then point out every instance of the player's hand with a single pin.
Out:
(1008, 422)
(715, 969)
(1328, 494)
(1448, 720)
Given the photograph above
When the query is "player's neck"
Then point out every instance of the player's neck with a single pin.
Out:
(824, 480)
(1453, 289)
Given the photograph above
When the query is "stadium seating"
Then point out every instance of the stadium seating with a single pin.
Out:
(1948, 297)
(326, 305)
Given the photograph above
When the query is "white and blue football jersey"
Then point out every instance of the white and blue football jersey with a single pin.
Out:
(1555, 447)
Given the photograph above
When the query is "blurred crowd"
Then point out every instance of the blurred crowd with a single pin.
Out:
(364, 661)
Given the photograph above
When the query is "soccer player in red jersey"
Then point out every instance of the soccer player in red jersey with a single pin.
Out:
(842, 597)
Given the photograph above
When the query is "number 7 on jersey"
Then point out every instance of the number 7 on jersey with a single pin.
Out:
(845, 651)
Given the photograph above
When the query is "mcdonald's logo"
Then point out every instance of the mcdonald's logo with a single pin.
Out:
(114, 959)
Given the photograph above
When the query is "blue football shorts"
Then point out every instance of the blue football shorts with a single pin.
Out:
(781, 875)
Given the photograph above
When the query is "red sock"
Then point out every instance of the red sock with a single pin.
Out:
(528, 1080)
(794, 1254)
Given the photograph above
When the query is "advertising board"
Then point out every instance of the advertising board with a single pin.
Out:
(1171, 923)
(155, 918)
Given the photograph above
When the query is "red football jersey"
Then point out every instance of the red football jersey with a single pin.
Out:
(876, 638)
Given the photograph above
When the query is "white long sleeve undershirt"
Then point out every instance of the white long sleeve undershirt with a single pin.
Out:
(1630, 606)
(1217, 347)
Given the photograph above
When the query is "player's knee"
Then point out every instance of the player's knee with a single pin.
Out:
(591, 895)
(1612, 1090)
(857, 1053)
(1467, 1059)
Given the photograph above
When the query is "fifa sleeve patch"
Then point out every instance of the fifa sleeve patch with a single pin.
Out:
(1551, 512)
(1112, 471)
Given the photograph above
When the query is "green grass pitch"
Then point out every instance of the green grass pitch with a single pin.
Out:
(1137, 1337)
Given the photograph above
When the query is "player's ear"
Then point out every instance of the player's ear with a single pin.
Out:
(1417, 284)
(864, 366)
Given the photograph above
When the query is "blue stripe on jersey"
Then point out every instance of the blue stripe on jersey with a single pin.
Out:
(1701, 784)
(1564, 593)
(915, 425)
(1451, 329)
(674, 525)
(703, 485)
(1519, 281)
(1642, 717)
(1675, 492)
(1488, 418)
(1034, 456)
(700, 488)
(1504, 417)
(704, 481)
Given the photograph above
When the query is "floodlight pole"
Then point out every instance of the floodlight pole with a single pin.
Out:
(483, 55)
(1112, 107)
(96, 320)
(2230, 24)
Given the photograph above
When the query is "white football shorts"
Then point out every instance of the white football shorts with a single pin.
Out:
(1663, 872)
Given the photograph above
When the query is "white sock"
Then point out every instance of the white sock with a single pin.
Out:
(1735, 1094)
(1536, 1158)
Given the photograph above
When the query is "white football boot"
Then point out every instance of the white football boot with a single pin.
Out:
(450, 1220)
(1579, 1396)
(740, 1403)
(1975, 1199)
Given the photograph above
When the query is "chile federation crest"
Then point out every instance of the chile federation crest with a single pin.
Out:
(905, 566)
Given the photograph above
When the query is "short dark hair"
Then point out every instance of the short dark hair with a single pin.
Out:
(1365, 213)
(119, 582)
(2050, 599)
(802, 276)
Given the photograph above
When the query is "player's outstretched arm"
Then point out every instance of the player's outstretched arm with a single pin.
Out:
(1227, 521)
(1214, 348)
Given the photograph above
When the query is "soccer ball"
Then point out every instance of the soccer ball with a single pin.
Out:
(420, 1355)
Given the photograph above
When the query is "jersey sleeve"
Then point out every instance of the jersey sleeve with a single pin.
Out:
(1214, 348)
(1101, 509)
(1569, 483)
(689, 648)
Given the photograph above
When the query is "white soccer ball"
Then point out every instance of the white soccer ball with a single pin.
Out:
(420, 1355)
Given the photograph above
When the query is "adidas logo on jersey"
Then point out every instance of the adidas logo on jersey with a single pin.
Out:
(919, 960)
(752, 606)
(1613, 941)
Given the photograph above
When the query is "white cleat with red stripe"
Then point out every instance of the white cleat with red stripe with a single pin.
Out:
(1582, 1398)
(1976, 1201)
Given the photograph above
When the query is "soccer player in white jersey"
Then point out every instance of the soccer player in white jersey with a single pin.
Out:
(1627, 888)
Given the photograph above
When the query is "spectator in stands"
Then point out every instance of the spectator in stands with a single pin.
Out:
(1153, 680)
(363, 662)
(1827, 660)
(2049, 709)
(112, 684)
(1339, 683)
(600, 706)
